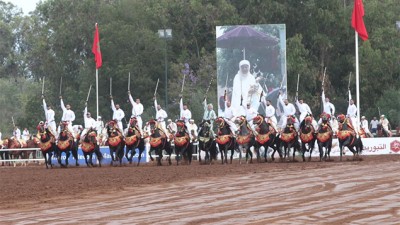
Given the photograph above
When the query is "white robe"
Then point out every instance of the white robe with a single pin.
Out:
(245, 85)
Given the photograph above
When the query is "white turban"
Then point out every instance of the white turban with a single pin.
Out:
(244, 62)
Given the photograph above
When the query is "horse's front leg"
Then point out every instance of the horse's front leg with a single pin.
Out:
(303, 152)
(86, 160)
(68, 154)
(160, 155)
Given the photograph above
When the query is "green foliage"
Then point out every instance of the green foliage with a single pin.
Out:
(56, 39)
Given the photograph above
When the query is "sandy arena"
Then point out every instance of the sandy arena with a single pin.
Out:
(357, 192)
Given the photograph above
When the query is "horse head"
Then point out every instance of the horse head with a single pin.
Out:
(220, 122)
(306, 124)
(205, 129)
(180, 124)
(91, 136)
(258, 120)
(290, 120)
(133, 122)
(112, 128)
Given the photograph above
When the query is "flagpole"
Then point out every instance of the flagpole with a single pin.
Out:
(357, 82)
(97, 92)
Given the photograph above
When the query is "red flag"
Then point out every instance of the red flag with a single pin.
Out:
(357, 21)
(96, 49)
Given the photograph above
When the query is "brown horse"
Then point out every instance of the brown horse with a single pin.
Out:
(67, 145)
(115, 142)
(159, 142)
(347, 137)
(324, 137)
(47, 143)
(266, 136)
(225, 140)
(245, 139)
(289, 138)
(183, 148)
(133, 141)
(12, 143)
(89, 146)
(307, 136)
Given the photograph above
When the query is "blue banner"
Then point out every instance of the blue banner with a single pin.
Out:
(105, 150)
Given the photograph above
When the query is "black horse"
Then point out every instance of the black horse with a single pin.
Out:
(183, 147)
(159, 142)
(207, 142)
(225, 140)
(347, 137)
(245, 139)
(47, 143)
(115, 142)
(133, 141)
(307, 136)
(289, 138)
(266, 137)
(324, 137)
(89, 146)
(67, 145)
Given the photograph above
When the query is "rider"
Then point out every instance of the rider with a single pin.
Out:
(68, 116)
(270, 113)
(230, 116)
(192, 129)
(209, 113)
(288, 110)
(50, 121)
(89, 122)
(118, 115)
(137, 110)
(352, 114)
(364, 126)
(185, 113)
(161, 115)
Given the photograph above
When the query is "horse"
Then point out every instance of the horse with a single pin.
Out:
(47, 143)
(246, 139)
(66, 144)
(12, 143)
(207, 142)
(89, 146)
(289, 137)
(33, 142)
(347, 137)
(158, 142)
(324, 137)
(266, 136)
(134, 140)
(183, 146)
(115, 142)
(307, 136)
(225, 140)
(4, 155)
(380, 132)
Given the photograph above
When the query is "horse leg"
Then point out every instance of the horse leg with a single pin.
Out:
(303, 152)
(59, 159)
(98, 154)
(140, 155)
(68, 154)
(128, 149)
(74, 152)
(160, 155)
(45, 160)
(86, 161)
(341, 150)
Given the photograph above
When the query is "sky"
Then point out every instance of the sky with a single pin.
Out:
(26, 5)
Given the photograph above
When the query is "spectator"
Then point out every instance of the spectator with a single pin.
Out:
(373, 125)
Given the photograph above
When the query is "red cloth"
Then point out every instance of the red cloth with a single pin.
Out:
(96, 48)
(357, 21)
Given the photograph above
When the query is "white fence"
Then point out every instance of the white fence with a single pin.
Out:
(38, 153)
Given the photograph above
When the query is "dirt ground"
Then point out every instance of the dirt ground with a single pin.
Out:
(361, 192)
